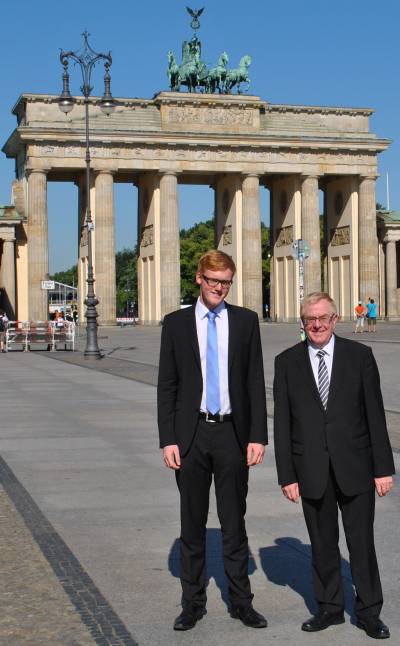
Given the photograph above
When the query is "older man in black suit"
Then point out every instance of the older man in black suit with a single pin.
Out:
(332, 449)
(212, 423)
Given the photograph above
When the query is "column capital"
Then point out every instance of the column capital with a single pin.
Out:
(390, 236)
(304, 176)
(251, 174)
(171, 172)
(104, 171)
(7, 234)
(39, 171)
(372, 176)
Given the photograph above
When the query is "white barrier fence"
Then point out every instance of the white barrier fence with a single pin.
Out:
(30, 333)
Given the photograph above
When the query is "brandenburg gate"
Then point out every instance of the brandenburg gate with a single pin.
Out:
(233, 143)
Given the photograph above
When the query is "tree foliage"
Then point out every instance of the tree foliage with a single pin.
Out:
(126, 278)
(266, 261)
(67, 277)
(194, 242)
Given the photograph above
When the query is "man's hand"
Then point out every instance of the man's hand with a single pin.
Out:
(255, 453)
(171, 456)
(383, 485)
(292, 492)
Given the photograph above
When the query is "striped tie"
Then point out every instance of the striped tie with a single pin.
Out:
(323, 378)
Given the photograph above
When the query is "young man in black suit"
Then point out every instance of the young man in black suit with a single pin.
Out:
(212, 423)
(332, 449)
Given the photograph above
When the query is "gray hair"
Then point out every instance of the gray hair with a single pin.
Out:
(316, 297)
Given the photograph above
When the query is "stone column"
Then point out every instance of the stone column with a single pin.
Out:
(104, 266)
(7, 272)
(310, 233)
(251, 244)
(391, 280)
(169, 244)
(38, 253)
(367, 240)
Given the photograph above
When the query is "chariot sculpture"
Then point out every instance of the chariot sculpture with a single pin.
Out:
(195, 74)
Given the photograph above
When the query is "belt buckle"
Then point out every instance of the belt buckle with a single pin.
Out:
(210, 421)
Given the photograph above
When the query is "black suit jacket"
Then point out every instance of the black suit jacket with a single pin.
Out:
(180, 383)
(351, 433)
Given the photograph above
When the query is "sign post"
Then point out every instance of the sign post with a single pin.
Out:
(48, 284)
(300, 252)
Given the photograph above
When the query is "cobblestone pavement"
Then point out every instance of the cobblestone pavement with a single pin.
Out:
(34, 608)
(46, 597)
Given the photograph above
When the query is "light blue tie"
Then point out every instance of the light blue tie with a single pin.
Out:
(212, 370)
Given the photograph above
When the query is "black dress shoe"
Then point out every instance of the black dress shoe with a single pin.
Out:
(322, 620)
(188, 618)
(249, 616)
(374, 627)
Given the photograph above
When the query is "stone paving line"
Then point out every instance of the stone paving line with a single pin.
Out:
(34, 608)
(46, 597)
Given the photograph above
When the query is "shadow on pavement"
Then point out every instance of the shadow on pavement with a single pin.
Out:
(288, 563)
(214, 564)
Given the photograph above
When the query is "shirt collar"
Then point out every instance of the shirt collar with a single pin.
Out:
(328, 348)
(202, 310)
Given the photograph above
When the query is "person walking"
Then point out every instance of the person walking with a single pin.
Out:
(371, 315)
(3, 330)
(360, 312)
(332, 450)
(212, 423)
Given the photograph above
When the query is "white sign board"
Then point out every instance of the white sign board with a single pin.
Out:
(48, 284)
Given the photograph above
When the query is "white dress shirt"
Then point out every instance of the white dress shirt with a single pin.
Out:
(221, 321)
(328, 349)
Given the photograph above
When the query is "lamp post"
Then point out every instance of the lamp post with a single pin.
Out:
(87, 58)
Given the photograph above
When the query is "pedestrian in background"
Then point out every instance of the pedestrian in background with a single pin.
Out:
(3, 329)
(360, 311)
(371, 315)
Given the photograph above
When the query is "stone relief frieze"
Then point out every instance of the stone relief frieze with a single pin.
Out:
(84, 236)
(284, 236)
(340, 236)
(205, 153)
(209, 116)
(147, 236)
(227, 235)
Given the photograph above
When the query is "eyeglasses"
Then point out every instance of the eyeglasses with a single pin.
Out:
(214, 282)
(310, 320)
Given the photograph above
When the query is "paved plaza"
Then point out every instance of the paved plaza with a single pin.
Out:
(89, 515)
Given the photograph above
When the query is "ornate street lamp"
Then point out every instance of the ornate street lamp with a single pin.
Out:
(87, 58)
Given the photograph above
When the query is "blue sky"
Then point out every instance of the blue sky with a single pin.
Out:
(315, 52)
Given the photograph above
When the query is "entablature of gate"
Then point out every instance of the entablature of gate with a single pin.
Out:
(195, 133)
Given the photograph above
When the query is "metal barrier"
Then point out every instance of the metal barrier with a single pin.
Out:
(28, 333)
(16, 334)
(63, 334)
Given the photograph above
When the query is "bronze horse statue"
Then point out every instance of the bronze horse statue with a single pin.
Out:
(216, 76)
(238, 75)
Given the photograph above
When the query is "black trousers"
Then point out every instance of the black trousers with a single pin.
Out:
(215, 452)
(358, 519)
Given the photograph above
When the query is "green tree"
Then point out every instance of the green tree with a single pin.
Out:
(68, 276)
(126, 278)
(266, 261)
(194, 242)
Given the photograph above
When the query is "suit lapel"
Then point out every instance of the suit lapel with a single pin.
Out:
(233, 334)
(338, 370)
(304, 363)
(191, 313)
